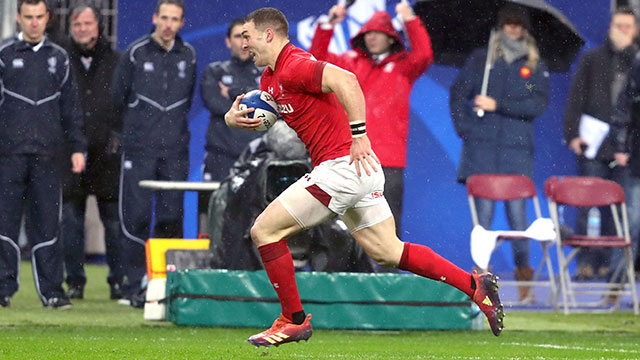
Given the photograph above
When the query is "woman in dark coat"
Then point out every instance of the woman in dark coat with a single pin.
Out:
(501, 142)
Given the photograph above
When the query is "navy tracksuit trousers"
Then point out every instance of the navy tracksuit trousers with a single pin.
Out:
(31, 183)
(73, 239)
(137, 207)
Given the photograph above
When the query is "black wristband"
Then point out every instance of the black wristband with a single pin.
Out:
(358, 129)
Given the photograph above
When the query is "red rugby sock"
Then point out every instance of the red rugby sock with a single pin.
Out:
(279, 266)
(423, 261)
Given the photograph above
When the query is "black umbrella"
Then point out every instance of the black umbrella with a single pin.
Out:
(457, 27)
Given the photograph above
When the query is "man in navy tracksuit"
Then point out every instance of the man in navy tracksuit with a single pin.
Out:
(38, 107)
(154, 81)
(221, 82)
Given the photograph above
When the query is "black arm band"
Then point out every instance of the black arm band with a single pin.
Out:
(358, 129)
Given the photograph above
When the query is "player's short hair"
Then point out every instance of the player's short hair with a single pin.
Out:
(232, 24)
(269, 18)
(624, 10)
(178, 3)
(32, 2)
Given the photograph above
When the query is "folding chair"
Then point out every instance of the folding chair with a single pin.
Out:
(503, 187)
(579, 191)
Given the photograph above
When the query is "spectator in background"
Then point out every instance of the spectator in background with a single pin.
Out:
(38, 107)
(502, 141)
(386, 72)
(599, 79)
(154, 82)
(221, 82)
(93, 63)
(625, 133)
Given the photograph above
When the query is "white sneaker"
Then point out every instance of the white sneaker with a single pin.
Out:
(124, 301)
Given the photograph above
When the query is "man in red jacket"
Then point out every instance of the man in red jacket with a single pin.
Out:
(383, 66)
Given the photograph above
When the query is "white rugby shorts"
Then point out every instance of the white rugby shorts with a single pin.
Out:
(334, 187)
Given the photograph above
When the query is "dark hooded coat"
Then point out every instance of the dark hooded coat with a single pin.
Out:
(501, 142)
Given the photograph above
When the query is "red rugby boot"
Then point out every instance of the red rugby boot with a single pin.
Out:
(281, 332)
(486, 297)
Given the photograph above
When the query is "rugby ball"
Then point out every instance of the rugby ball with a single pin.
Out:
(265, 107)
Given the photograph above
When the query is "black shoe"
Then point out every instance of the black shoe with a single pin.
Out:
(75, 292)
(115, 291)
(59, 303)
(5, 301)
(138, 300)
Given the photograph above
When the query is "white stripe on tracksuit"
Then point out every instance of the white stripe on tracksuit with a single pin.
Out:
(42, 245)
(15, 246)
(120, 212)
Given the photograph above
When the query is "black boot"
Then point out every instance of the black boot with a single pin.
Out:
(75, 292)
(115, 291)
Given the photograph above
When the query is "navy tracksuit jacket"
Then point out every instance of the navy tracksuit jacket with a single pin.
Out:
(155, 86)
(39, 107)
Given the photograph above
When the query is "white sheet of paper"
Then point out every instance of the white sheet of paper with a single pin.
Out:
(592, 131)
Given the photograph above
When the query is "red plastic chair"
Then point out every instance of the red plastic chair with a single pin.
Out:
(504, 187)
(579, 191)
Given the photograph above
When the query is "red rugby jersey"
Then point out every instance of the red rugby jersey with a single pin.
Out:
(319, 119)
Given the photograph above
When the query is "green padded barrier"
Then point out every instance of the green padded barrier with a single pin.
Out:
(336, 300)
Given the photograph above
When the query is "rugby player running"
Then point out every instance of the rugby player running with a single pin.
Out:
(325, 106)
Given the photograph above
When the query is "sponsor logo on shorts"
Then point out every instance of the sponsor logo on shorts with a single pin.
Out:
(377, 194)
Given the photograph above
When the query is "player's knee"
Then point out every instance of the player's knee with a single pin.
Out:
(261, 235)
(257, 234)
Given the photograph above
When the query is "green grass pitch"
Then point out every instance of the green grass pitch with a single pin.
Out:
(98, 328)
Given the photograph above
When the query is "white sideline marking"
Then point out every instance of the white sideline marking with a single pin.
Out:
(564, 347)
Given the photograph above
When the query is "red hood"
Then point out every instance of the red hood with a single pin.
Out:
(380, 21)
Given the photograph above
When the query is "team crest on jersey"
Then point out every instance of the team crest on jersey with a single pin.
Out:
(18, 63)
(148, 66)
(389, 67)
(227, 79)
(52, 61)
(182, 66)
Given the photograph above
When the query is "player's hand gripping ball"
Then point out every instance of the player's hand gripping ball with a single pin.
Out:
(265, 107)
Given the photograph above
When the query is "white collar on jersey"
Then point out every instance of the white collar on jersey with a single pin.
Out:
(36, 47)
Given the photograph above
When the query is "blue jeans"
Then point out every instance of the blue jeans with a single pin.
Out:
(72, 234)
(516, 211)
(632, 194)
(596, 256)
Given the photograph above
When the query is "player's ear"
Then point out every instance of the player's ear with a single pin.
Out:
(270, 34)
